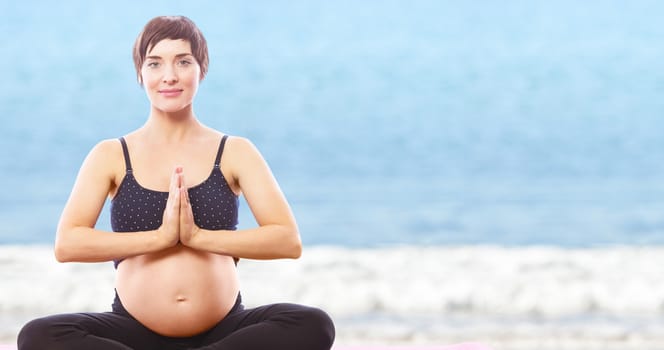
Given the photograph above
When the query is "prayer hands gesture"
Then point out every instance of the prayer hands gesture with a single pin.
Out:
(178, 220)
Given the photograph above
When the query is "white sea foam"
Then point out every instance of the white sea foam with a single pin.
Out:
(513, 298)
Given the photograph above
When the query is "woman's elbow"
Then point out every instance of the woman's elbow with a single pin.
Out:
(294, 250)
(62, 250)
(61, 253)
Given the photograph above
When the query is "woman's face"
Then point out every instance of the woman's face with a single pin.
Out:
(170, 75)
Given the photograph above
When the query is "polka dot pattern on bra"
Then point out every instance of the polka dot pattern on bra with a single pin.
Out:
(136, 208)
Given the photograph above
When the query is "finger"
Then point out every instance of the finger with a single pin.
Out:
(176, 200)
(180, 178)
(186, 215)
(174, 187)
(174, 180)
(184, 197)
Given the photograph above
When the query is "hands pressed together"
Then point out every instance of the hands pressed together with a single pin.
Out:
(178, 221)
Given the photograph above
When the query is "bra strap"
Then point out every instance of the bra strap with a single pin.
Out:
(125, 150)
(220, 151)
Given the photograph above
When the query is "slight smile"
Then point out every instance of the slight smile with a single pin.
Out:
(170, 92)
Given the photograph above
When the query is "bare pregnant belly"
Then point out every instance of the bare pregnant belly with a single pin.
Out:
(178, 292)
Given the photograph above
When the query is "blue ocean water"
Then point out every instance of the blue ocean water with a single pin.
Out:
(385, 122)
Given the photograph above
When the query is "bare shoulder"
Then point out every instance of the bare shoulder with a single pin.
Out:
(107, 150)
(108, 146)
(240, 145)
(105, 159)
(240, 151)
(242, 158)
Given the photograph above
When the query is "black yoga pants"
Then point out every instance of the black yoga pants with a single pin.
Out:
(275, 326)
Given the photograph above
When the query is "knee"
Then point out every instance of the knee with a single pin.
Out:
(320, 328)
(35, 335)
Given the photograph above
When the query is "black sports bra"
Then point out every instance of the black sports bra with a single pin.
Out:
(136, 208)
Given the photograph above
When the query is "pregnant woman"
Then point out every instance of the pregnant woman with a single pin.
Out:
(174, 185)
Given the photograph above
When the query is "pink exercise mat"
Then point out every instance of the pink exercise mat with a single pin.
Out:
(464, 346)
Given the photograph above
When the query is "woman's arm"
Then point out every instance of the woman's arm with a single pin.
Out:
(78, 240)
(277, 234)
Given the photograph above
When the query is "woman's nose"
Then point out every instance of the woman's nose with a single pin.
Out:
(170, 77)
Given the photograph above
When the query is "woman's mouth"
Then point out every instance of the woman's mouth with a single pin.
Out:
(170, 92)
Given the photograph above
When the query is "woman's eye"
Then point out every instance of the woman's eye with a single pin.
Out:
(185, 62)
(153, 64)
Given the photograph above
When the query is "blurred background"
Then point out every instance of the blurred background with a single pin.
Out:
(478, 170)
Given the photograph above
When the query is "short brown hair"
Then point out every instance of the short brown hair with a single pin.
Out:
(174, 28)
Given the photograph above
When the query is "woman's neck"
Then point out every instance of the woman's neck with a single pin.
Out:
(163, 127)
